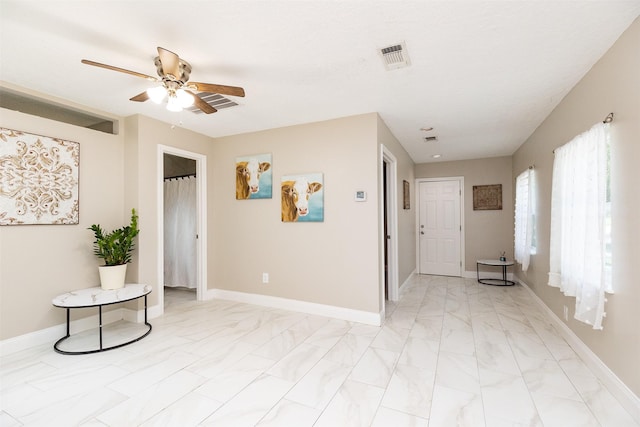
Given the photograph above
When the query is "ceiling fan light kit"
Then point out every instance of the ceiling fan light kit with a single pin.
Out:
(157, 94)
(173, 104)
(177, 100)
(174, 74)
(184, 98)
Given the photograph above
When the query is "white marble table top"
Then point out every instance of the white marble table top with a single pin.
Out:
(93, 297)
(494, 262)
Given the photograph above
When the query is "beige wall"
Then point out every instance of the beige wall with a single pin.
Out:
(333, 262)
(612, 85)
(406, 217)
(39, 262)
(144, 135)
(487, 233)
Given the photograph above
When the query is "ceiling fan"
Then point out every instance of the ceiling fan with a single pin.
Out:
(174, 83)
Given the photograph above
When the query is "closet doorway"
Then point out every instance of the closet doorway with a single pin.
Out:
(389, 232)
(182, 216)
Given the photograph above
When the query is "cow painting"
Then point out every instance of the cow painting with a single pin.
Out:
(302, 199)
(253, 177)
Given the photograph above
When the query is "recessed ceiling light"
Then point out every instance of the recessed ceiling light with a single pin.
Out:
(426, 129)
(436, 156)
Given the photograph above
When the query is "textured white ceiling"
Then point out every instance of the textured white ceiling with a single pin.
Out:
(484, 74)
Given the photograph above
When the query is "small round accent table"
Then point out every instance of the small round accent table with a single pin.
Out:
(495, 263)
(98, 297)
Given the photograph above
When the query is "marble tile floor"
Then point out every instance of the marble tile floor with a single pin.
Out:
(452, 352)
(177, 295)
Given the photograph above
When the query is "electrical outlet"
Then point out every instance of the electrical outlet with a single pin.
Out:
(566, 313)
(265, 277)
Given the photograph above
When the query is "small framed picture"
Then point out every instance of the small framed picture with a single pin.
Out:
(487, 197)
(406, 198)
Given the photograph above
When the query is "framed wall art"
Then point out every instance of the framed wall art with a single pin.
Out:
(38, 179)
(254, 177)
(406, 198)
(487, 197)
(302, 198)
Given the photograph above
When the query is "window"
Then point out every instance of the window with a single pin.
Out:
(525, 218)
(580, 223)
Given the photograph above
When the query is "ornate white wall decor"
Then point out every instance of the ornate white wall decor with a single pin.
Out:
(38, 179)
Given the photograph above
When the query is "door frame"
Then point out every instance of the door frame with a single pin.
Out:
(460, 179)
(387, 157)
(201, 220)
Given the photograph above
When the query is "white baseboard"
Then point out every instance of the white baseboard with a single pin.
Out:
(618, 389)
(137, 316)
(469, 274)
(409, 277)
(54, 333)
(342, 313)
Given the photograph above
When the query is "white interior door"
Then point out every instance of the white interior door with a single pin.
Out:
(439, 228)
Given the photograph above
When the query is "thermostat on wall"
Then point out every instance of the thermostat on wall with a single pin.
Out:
(361, 196)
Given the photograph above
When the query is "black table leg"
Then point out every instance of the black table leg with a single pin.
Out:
(68, 320)
(101, 347)
(100, 321)
(55, 346)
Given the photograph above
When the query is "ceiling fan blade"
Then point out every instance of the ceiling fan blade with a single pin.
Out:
(141, 97)
(121, 70)
(170, 62)
(201, 104)
(221, 89)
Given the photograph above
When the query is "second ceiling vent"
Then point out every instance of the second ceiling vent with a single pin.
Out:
(395, 56)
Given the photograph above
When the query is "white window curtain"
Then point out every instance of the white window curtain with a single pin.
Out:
(578, 241)
(180, 230)
(524, 217)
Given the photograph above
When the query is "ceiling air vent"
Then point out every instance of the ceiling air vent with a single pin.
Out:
(215, 100)
(430, 138)
(395, 56)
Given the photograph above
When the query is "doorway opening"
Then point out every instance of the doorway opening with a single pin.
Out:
(385, 216)
(389, 231)
(181, 226)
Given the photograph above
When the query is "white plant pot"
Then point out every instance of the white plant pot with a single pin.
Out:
(112, 276)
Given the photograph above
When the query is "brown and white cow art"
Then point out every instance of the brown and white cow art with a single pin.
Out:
(295, 198)
(248, 177)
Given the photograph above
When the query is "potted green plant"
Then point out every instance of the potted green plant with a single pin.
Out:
(115, 249)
